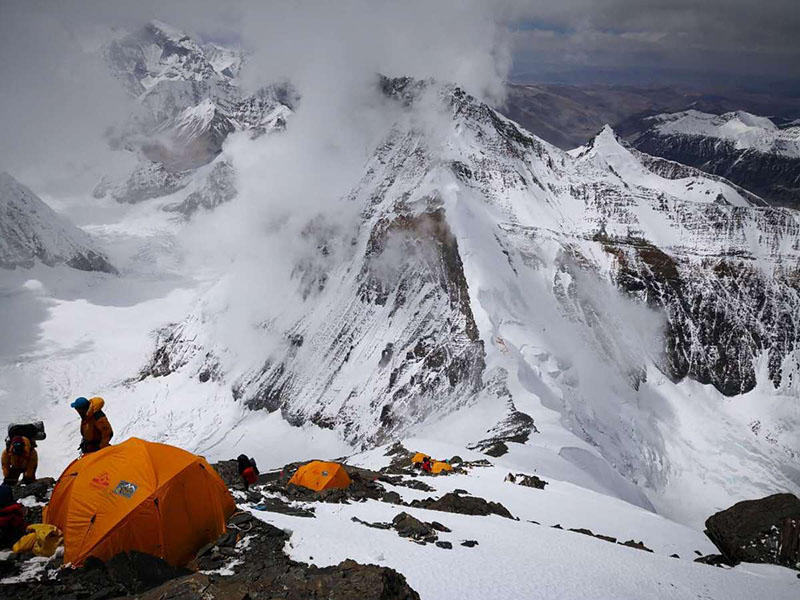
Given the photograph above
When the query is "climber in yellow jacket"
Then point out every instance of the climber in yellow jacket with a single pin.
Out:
(96, 432)
(19, 458)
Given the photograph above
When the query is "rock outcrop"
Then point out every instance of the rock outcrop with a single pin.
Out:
(761, 531)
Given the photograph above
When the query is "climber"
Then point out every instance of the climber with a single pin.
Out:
(426, 464)
(12, 518)
(247, 469)
(19, 458)
(96, 432)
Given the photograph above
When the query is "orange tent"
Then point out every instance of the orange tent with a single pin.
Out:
(439, 466)
(418, 458)
(318, 476)
(142, 496)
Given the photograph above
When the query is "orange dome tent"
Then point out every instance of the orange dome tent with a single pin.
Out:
(142, 496)
(318, 476)
(439, 466)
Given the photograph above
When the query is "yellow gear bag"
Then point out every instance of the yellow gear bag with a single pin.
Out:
(41, 541)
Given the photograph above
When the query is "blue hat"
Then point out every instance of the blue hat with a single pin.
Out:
(80, 403)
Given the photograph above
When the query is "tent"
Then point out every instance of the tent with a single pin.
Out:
(142, 496)
(318, 476)
(418, 458)
(439, 466)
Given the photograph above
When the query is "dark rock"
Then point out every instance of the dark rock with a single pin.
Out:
(39, 489)
(138, 572)
(605, 538)
(264, 571)
(439, 527)
(33, 514)
(240, 519)
(411, 527)
(465, 505)
(373, 525)
(761, 531)
(635, 544)
(496, 449)
(516, 427)
(279, 506)
(8, 568)
(715, 560)
(227, 539)
(445, 545)
(469, 543)
(557, 526)
(391, 498)
(526, 480)
(228, 470)
(674, 556)
(123, 575)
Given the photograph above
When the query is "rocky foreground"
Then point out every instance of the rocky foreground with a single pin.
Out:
(250, 560)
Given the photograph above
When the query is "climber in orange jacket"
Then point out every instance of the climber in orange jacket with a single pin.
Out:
(19, 458)
(96, 432)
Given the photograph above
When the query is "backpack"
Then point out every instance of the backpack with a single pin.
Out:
(33, 431)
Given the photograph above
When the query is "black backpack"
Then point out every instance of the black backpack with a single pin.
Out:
(33, 431)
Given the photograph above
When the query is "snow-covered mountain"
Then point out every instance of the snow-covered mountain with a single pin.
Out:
(749, 150)
(31, 232)
(189, 101)
(591, 290)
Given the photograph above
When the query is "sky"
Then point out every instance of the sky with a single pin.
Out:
(57, 98)
(701, 43)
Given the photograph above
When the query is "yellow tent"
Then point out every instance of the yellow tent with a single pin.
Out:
(139, 495)
(318, 476)
(439, 466)
(418, 457)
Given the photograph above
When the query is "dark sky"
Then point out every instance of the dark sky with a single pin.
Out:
(706, 43)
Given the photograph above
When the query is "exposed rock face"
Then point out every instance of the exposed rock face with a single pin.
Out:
(478, 246)
(721, 312)
(189, 102)
(761, 531)
(218, 188)
(31, 232)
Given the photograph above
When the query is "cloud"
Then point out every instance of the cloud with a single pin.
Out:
(662, 41)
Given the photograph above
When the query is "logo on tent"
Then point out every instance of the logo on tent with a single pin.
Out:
(101, 481)
(126, 489)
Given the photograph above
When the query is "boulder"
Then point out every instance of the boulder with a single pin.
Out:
(411, 527)
(465, 505)
(526, 480)
(761, 531)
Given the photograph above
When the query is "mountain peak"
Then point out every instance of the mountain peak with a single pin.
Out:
(154, 25)
(31, 231)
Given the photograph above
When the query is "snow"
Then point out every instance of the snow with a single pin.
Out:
(745, 130)
(518, 558)
(31, 231)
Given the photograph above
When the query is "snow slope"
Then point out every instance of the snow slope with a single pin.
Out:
(525, 558)
(31, 231)
(490, 267)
